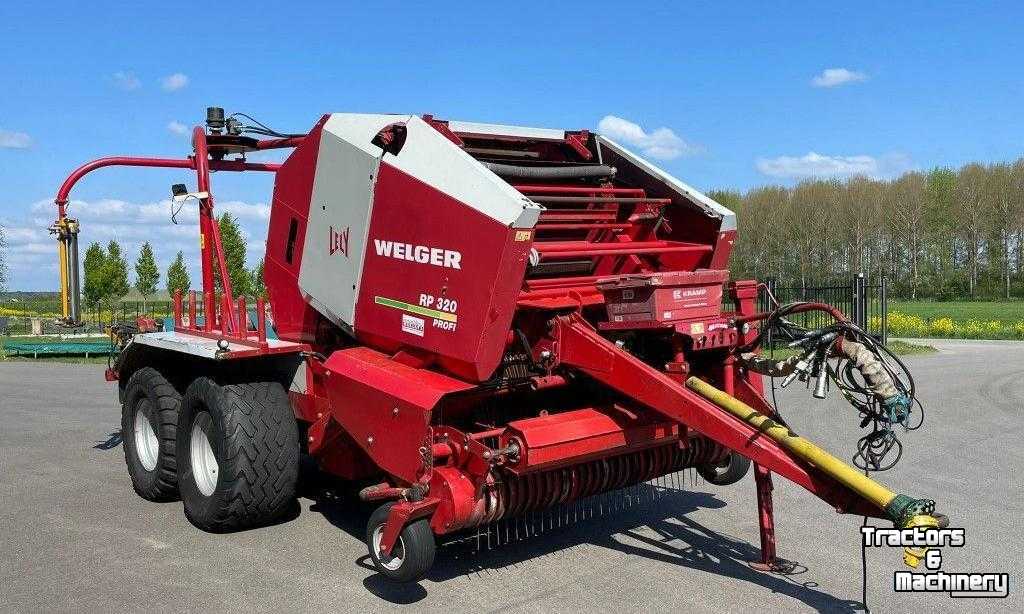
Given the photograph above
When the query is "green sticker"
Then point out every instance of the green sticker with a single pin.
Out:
(423, 311)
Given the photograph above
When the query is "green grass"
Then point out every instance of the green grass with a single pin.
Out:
(955, 319)
(902, 348)
(1004, 311)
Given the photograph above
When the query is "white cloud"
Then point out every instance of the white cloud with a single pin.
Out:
(816, 165)
(661, 143)
(14, 140)
(245, 211)
(19, 235)
(831, 77)
(178, 128)
(126, 80)
(173, 83)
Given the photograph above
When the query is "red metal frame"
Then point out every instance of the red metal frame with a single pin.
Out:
(232, 324)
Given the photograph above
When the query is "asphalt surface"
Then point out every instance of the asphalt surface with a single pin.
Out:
(75, 537)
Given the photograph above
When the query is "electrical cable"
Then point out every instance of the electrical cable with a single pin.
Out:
(864, 565)
(261, 128)
(771, 353)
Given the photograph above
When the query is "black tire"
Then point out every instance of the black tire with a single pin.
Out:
(253, 437)
(414, 549)
(731, 470)
(150, 396)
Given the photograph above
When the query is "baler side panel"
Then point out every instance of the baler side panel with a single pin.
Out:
(386, 407)
(433, 159)
(294, 318)
(438, 275)
(339, 213)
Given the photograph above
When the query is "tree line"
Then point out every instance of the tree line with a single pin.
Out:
(105, 270)
(939, 234)
(3, 260)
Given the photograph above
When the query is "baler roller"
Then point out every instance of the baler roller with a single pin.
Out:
(514, 495)
(600, 199)
(576, 249)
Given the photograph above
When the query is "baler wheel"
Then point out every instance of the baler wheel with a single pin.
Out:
(413, 554)
(238, 454)
(149, 420)
(732, 469)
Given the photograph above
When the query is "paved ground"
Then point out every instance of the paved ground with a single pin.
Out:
(74, 537)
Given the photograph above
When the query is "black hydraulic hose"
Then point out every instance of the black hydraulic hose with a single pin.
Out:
(550, 172)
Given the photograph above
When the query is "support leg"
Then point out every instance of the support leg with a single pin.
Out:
(766, 519)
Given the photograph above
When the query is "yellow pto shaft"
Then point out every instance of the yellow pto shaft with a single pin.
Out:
(904, 511)
(62, 258)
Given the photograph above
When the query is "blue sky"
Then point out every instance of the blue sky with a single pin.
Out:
(724, 95)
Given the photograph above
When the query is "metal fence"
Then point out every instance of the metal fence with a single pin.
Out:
(865, 303)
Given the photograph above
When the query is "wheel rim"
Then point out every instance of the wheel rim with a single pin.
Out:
(721, 468)
(393, 562)
(147, 446)
(204, 462)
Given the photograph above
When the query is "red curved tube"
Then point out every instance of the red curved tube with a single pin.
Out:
(65, 189)
(835, 313)
(208, 228)
(218, 165)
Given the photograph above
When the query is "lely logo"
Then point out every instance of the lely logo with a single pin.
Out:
(339, 241)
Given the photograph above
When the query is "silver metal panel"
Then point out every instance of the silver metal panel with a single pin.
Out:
(544, 134)
(339, 211)
(342, 200)
(198, 346)
(430, 157)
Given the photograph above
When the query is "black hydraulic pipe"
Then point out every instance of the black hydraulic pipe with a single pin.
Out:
(550, 172)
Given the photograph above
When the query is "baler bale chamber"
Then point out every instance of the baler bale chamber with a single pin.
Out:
(473, 238)
(475, 321)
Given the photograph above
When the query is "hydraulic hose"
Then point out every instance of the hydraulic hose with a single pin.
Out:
(869, 365)
(904, 511)
(551, 172)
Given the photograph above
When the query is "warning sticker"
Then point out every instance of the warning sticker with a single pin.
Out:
(412, 325)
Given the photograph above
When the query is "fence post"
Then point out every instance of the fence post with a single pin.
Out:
(853, 300)
(863, 287)
(857, 302)
(884, 308)
(769, 286)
